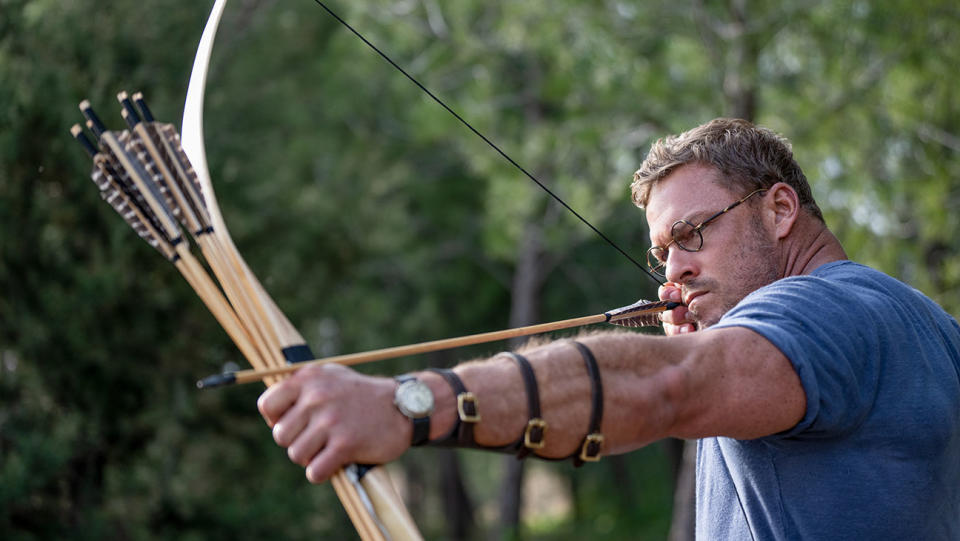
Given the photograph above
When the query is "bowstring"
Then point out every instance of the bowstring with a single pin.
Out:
(489, 142)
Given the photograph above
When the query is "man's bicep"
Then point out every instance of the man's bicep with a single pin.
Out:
(748, 388)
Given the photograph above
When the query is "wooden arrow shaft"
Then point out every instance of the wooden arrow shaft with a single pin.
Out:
(248, 376)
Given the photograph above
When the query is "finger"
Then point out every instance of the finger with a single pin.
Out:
(324, 464)
(671, 330)
(309, 442)
(677, 321)
(276, 400)
(670, 291)
(677, 316)
(289, 427)
(317, 393)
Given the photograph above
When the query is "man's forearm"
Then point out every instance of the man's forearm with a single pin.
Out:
(565, 392)
(729, 382)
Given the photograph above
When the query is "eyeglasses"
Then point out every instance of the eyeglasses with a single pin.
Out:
(687, 237)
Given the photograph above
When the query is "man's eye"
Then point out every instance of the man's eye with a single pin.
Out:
(683, 233)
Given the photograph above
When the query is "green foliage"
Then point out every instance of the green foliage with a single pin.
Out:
(376, 219)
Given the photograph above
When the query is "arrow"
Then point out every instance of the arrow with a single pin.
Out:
(639, 314)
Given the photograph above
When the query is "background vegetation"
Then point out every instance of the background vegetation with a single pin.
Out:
(375, 219)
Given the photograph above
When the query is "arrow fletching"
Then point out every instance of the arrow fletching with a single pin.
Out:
(642, 313)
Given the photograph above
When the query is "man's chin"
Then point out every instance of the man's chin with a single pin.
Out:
(701, 324)
(704, 319)
(707, 312)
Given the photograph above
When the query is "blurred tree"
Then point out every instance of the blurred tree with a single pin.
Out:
(375, 219)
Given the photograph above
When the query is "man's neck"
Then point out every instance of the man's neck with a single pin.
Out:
(814, 245)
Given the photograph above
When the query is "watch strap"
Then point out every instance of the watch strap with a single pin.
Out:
(421, 430)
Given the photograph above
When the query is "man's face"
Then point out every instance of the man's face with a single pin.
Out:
(738, 255)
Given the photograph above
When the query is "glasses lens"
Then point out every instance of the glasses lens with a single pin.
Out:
(687, 236)
(655, 259)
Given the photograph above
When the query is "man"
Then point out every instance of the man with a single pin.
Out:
(826, 395)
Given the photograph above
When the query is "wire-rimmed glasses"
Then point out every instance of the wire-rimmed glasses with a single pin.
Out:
(687, 237)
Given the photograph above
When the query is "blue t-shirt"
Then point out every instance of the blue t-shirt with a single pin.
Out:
(877, 454)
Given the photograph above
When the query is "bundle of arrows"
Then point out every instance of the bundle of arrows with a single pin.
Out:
(145, 175)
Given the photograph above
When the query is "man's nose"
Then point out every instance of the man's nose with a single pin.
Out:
(681, 265)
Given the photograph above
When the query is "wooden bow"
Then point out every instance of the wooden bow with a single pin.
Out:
(154, 178)
(374, 507)
(146, 176)
(387, 509)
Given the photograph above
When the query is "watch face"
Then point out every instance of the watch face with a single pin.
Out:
(414, 398)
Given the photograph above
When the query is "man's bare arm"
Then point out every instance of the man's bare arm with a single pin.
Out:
(729, 382)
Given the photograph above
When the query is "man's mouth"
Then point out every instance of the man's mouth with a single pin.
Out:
(690, 297)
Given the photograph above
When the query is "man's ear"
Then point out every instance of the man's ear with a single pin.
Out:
(784, 204)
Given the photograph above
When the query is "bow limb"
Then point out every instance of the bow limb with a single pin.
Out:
(375, 509)
(191, 130)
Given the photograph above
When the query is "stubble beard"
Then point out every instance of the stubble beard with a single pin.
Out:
(757, 267)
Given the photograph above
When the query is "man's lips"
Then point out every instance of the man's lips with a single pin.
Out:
(689, 297)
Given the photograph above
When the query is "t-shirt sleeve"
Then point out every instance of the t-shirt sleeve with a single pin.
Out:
(831, 342)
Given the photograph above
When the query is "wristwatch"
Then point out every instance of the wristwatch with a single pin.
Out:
(415, 400)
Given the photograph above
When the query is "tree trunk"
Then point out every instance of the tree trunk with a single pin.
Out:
(457, 503)
(683, 525)
(524, 310)
(456, 500)
(740, 70)
(627, 500)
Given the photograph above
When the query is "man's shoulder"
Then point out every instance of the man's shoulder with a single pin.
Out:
(843, 270)
(829, 281)
(838, 292)
(835, 293)
(850, 271)
(847, 278)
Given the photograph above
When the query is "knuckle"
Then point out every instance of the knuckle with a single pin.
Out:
(346, 446)
(312, 476)
(311, 370)
(265, 406)
(262, 404)
(331, 418)
(324, 464)
(321, 372)
(280, 435)
(315, 474)
(316, 396)
(298, 456)
(277, 433)
(338, 451)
